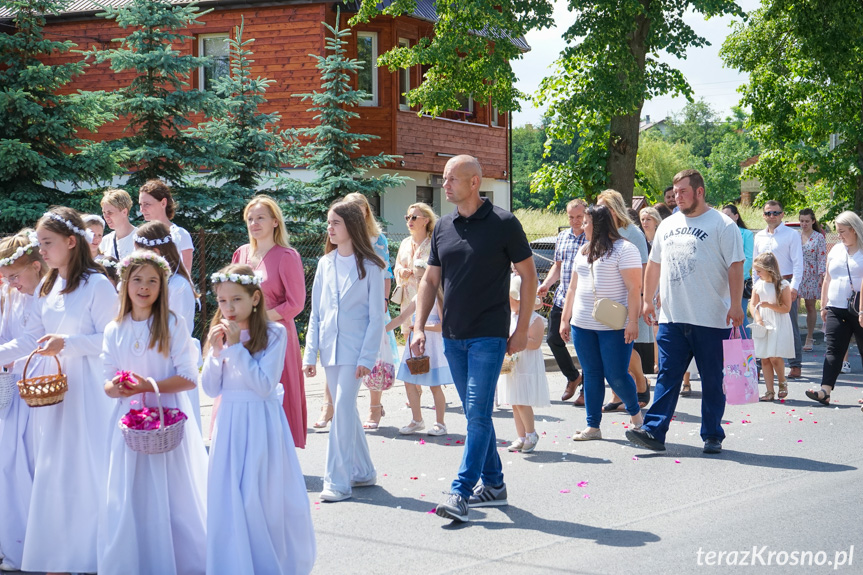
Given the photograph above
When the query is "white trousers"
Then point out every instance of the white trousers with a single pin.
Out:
(348, 457)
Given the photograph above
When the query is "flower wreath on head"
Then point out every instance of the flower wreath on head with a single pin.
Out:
(136, 239)
(34, 243)
(140, 257)
(255, 279)
(86, 234)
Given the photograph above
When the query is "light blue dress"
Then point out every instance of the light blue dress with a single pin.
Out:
(381, 247)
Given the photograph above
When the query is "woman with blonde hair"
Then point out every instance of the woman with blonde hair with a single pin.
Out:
(284, 288)
(420, 221)
(381, 247)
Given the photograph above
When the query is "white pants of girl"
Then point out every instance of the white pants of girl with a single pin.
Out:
(348, 457)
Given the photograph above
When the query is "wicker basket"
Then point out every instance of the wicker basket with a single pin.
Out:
(416, 365)
(153, 441)
(8, 388)
(45, 389)
(507, 365)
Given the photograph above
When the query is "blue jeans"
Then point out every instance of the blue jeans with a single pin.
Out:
(678, 343)
(604, 356)
(475, 366)
(746, 318)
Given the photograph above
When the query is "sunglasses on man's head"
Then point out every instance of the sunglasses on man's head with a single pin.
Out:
(411, 218)
(773, 213)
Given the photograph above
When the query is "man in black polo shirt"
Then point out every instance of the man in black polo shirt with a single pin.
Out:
(471, 252)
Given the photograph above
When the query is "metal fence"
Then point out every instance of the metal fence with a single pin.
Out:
(214, 250)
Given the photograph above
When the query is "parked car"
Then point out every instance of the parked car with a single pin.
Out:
(543, 255)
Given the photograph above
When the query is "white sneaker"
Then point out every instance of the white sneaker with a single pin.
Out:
(332, 495)
(516, 445)
(530, 442)
(412, 427)
(846, 367)
(6, 566)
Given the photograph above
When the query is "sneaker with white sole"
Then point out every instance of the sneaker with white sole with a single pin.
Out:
(487, 496)
(846, 367)
(530, 441)
(365, 482)
(437, 430)
(516, 445)
(332, 495)
(6, 566)
(413, 427)
(454, 507)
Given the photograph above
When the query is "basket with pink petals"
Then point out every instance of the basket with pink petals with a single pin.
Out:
(153, 430)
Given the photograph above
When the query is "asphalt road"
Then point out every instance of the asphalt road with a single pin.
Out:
(788, 482)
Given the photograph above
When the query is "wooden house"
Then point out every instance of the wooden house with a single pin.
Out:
(285, 33)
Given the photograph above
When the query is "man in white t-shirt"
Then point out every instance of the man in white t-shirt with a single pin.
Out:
(116, 205)
(697, 262)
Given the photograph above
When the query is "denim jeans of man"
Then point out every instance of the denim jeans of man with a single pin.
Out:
(558, 347)
(604, 356)
(475, 366)
(677, 343)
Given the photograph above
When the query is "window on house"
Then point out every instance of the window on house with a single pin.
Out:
(425, 195)
(375, 203)
(404, 79)
(494, 116)
(216, 48)
(367, 78)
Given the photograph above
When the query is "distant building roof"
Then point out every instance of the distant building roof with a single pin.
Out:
(646, 124)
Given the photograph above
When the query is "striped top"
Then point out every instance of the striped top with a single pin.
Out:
(609, 283)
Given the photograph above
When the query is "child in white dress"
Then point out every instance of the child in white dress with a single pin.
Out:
(526, 386)
(75, 303)
(22, 270)
(153, 519)
(772, 311)
(258, 511)
(182, 298)
(439, 373)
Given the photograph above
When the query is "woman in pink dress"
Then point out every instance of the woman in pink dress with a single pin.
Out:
(284, 288)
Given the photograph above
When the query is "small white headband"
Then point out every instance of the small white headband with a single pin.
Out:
(86, 234)
(34, 243)
(151, 243)
(255, 279)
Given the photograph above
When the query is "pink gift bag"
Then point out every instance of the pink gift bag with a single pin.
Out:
(740, 381)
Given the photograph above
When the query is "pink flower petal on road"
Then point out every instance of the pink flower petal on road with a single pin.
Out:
(799, 441)
(634, 458)
(564, 490)
(582, 483)
(676, 461)
(422, 441)
(586, 496)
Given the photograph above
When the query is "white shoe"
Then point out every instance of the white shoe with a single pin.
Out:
(516, 445)
(846, 367)
(332, 495)
(6, 566)
(530, 441)
(437, 429)
(412, 427)
(365, 482)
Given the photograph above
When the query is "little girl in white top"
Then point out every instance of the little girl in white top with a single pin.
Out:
(153, 516)
(526, 386)
(258, 511)
(438, 374)
(770, 306)
(22, 270)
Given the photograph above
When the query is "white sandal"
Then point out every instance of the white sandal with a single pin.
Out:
(412, 427)
(437, 429)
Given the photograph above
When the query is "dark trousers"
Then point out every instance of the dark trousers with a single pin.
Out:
(839, 327)
(558, 346)
(678, 343)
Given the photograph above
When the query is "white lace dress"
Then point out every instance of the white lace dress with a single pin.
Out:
(526, 384)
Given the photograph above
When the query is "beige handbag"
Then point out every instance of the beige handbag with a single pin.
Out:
(607, 311)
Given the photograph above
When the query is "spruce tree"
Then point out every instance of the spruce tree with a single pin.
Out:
(330, 146)
(40, 129)
(159, 103)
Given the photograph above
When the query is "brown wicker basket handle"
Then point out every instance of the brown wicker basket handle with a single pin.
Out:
(27, 363)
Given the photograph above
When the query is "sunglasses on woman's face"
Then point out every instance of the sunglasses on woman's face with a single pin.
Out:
(411, 218)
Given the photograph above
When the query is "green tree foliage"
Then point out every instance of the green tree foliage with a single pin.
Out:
(471, 51)
(805, 85)
(158, 104)
(529, 158)
(41, 130)
(330, 148)
(659, 159)
(722, 171)
(602, 80)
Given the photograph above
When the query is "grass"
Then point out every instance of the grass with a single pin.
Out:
(539, 223)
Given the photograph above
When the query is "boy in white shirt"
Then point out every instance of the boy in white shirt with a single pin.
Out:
(116, 205)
